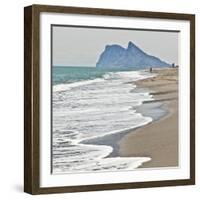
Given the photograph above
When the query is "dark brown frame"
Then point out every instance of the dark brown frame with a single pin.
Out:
(32, 106)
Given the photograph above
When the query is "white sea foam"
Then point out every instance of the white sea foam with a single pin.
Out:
(91, 109)
(64, 87)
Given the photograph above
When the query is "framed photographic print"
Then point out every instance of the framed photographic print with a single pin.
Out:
(109, 99)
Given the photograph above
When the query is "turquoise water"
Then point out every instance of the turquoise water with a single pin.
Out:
(74, 74)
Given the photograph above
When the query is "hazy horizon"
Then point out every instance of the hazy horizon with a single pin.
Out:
(80, 46)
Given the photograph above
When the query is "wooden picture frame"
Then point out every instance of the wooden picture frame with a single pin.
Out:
(32, 106)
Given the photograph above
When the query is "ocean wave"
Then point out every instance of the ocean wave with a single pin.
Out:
(133, 75)
(68, 86)
(93, 109)
(86, 158)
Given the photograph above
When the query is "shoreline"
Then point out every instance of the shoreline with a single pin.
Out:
(158, 139)
(146, 141)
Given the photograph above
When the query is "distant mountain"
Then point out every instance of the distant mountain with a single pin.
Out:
(115, 56)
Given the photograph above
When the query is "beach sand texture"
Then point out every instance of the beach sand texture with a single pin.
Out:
(159, 139)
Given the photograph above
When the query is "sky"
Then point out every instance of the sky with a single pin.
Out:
(81, 46)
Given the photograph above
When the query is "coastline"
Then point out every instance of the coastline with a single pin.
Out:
(158, 139)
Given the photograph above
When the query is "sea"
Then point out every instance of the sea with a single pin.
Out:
(90, 103)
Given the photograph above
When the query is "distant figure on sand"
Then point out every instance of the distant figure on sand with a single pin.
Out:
(150, 69)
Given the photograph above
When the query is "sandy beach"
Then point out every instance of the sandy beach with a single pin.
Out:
(159, 139)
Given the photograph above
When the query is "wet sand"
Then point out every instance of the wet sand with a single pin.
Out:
(159, 139)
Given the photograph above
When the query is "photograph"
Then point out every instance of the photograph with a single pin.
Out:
(114, 104)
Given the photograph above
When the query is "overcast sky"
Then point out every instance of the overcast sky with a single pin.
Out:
(75, 46)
